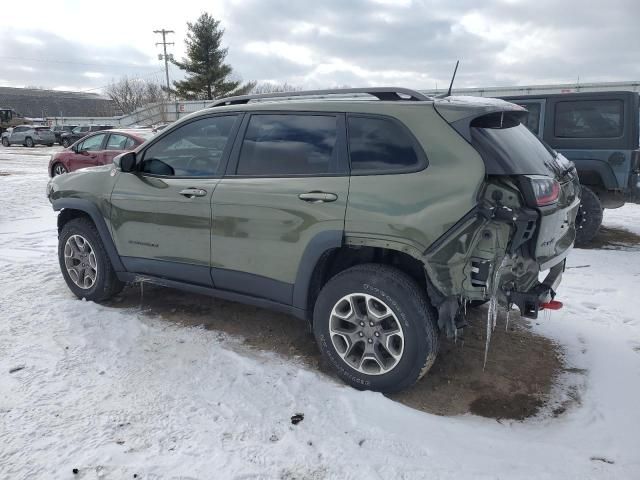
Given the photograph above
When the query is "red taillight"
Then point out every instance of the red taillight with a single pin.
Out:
(546, 190)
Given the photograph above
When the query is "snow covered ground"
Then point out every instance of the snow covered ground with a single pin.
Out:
(114, 392)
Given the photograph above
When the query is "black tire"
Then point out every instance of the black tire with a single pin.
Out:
(28, 142)
(49, 144)
(589, 217)
(58, 169)
(5, 142)
(65, 143)
(106, 282)
(407, 301)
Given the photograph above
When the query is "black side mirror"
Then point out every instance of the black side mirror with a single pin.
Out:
(126, 161)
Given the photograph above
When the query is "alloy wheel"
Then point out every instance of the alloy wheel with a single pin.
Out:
(366, 333)
(80, 261)
(59, 169)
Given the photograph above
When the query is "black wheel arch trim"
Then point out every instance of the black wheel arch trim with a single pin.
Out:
(597, 167)
(318, 246)
(94, 213)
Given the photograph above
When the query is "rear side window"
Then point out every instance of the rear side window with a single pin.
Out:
(117, 142)
(381, 145)
(589, 119)
(283, 144)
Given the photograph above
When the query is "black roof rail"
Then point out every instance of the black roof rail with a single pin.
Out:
(381, 93)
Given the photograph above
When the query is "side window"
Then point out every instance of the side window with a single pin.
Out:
(117, 142)
(532, 120)
(381, 145)
(282, 144)
(589, 119)
(129, 144)
(91, 144)
(193, 150)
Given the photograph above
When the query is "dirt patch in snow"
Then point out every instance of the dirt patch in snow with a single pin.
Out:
(520, 372)
(615, 238)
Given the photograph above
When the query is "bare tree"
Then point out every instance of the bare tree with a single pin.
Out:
(130, 94)
(271, 87)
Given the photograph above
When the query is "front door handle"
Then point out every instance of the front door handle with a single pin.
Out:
(318, 197)
(193, 192)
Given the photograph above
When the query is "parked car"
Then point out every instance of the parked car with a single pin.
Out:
(58, 130)
(29, 136)
(69, 138)
(375, 220)
(98, 148)
(599, 132)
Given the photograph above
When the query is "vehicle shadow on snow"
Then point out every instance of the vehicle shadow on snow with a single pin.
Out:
(522, 367)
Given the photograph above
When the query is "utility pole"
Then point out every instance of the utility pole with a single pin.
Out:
(164, 44)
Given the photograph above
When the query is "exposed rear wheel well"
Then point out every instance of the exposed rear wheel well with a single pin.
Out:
(336, 260)
(67, 214)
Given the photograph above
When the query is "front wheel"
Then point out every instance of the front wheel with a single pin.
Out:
(84, 262)
(589, 217)
(65, 143)
(5, 142)
(376, 328)
(59, 169)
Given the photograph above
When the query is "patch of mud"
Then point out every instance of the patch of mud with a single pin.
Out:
(613, 238)
(516, 383)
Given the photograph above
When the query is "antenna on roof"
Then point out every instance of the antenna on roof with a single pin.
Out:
(455, 70)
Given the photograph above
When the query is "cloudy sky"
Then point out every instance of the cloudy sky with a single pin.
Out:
(80, 45)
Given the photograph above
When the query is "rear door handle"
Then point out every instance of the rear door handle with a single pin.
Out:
(193, 192)
(318, 197)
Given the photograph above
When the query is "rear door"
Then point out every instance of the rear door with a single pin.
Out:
(286, 189)
(117, 143)
(161, 214)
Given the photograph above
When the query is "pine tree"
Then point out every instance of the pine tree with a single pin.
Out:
(208, 77)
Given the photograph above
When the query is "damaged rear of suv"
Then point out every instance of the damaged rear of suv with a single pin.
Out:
(378, 215)
(522, 225)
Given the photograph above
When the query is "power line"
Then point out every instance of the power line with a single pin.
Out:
(164, 44)
(44, 60)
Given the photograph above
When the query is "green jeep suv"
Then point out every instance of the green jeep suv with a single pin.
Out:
(375, 214)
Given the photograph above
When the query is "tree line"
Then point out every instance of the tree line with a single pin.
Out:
(207, 75)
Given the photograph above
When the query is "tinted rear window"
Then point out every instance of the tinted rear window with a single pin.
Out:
(380, 145)
(589, 119)
(509, 148)
(289, 145)
(42, 129)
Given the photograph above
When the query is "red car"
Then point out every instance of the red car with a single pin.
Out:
(96, 149)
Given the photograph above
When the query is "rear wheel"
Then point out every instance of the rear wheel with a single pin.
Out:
(49, 144)
(5, 142)
(59, 169)
(589, 217)
(84, 262)
(28, 142)
(375, 326)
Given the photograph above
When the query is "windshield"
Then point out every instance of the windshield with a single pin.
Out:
(509, 148)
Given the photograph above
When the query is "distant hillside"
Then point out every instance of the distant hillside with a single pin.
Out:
(53, 103)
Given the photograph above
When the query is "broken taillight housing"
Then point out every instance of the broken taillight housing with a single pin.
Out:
(546, 190)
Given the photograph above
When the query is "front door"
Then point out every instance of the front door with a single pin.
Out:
(286, 187)
(87, 152)
(161, 214)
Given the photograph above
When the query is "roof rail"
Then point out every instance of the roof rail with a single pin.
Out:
(381, 93)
